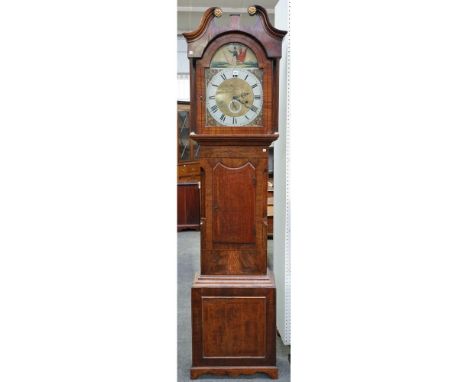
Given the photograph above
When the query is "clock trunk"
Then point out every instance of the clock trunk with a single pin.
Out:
(234, 213)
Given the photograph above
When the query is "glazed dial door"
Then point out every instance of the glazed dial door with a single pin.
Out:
(234, 97)
(234, 87)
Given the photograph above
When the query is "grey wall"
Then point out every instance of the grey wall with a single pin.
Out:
(183, 83)
(281, 247)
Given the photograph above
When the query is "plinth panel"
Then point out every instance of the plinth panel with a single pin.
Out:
(233, 321)
(234, 326)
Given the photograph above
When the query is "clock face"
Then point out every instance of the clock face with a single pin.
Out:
(234, 92)
(234, 97)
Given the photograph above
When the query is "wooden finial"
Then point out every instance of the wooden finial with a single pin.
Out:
(252, 10)
(218, 12)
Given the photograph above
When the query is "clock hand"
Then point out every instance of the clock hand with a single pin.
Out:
(242, 95)
(240, 100)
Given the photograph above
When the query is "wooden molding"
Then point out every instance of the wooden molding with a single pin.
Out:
(239, 281)
(207, 17)
(232, 140)
(271, 371)
(269, 36)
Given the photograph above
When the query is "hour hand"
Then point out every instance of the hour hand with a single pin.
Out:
(243, 102)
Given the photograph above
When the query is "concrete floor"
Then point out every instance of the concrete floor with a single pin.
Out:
(188, 263)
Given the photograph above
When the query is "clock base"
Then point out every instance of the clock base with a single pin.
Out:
(234, 325)
(271, 371)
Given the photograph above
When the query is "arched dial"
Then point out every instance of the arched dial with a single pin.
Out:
(234, 97)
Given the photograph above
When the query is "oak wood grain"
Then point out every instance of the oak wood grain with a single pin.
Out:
(234, 212)
(233, 321)
(188, 206)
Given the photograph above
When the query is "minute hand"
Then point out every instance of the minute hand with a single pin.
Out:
(239, 100)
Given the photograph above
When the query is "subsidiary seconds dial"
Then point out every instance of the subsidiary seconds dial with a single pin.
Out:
(234, 97)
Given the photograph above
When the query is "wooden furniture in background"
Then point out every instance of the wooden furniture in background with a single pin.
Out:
(270, 209)
(188, 151)
(188, 172)
(234, 69)
(188, 206)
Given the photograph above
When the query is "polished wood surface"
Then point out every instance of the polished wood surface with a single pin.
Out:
(233, 202)
(233, 321)
(234, 212)
(196, 372)
(188, 172)
(188, 206)
(234, 327)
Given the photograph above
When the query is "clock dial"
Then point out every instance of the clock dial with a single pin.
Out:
(234, 97)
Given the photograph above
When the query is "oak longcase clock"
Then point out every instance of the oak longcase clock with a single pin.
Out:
(234, 62)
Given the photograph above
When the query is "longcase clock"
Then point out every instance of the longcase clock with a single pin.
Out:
(234, 68)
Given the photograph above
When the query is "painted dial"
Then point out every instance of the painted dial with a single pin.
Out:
(234, 97)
